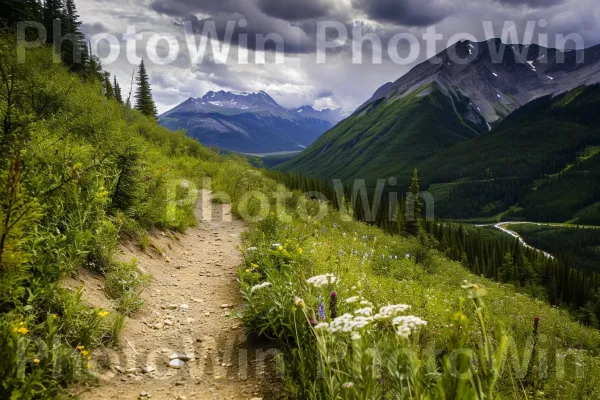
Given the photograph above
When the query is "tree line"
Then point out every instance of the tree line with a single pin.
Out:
(71, 46)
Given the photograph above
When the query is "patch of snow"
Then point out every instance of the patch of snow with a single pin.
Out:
(531, 64)
(471, 46)
(300, 110)
(549, 77)
(498, 96)
(495, 74)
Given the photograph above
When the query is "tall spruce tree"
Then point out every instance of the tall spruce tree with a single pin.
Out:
(74, 50)
(143, 94)
(117, 88)
(109, 91)
(414, 207)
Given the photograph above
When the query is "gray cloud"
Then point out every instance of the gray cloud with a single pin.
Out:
(531, 3)
(405, 12)
(296, 10)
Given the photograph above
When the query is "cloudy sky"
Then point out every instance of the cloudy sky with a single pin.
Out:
(296, 77)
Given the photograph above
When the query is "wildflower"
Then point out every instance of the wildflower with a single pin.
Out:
(260, 286)
(248, 270)
(322, 280)
(103, 314)
(299, 250)
(80, 347)
(275, 245)
(322, 325)
(348, 385)
(313, 323)
(85, 353)
(36, 360)
(366, 303)
(23, 331)
(280, 248)
(367, 311)
(390, 311)
(251, 249)
(322, 309)
(299, 302)
(406, 324)
(355, 336)
(255, 266)
(349, 323)
(353, 299)
(333, 300)
(54, 316)
(407, 256)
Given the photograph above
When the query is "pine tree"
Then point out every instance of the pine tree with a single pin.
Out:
(108, 87)
(74, 52)
(117, 88)
(413, 225)
(143, 94)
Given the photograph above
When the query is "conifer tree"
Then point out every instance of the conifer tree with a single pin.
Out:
(414, 207)
(143, 94)
(108, 87)
(117, 88)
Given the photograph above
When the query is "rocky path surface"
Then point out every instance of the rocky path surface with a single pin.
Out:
(185, 344)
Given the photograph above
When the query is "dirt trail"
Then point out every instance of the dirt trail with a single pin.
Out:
(187, 312)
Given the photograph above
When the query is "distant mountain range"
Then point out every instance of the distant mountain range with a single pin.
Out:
(249, 122)
(485, 134)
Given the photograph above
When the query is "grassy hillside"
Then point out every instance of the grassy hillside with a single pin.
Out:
(387, 140)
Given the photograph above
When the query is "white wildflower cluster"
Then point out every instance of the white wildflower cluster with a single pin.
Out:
(260, 286)
(366, 303)
(387, 312)
(354, 299)
(321, 325)
(276, 246)
(367, 311)
(349, 323)
(322, 280)
(348, 385)
(251, 249)
(406, 324)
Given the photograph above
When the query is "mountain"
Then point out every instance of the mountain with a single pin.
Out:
(327, 114)
(441, 103)
(248, 122)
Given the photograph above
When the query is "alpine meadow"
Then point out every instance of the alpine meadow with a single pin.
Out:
(170, 230)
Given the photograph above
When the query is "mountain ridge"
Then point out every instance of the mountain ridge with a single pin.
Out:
(249, 122)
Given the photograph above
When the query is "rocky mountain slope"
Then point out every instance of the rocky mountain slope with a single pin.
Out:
(460, 94)
(249, 122)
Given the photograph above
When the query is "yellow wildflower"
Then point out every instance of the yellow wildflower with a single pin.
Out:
(248, 270)
(103, 314)
(80, 347)
(37, 360)
(300, 250)
(54, 316)
(85, 353)
(23, 331)
(280, 248)
(254, 265)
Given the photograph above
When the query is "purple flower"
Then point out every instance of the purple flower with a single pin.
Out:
(333, 305)
(322, 309)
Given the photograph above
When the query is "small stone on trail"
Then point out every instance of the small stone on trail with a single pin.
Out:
(184, 307)
(176, 364)
(148, 369)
